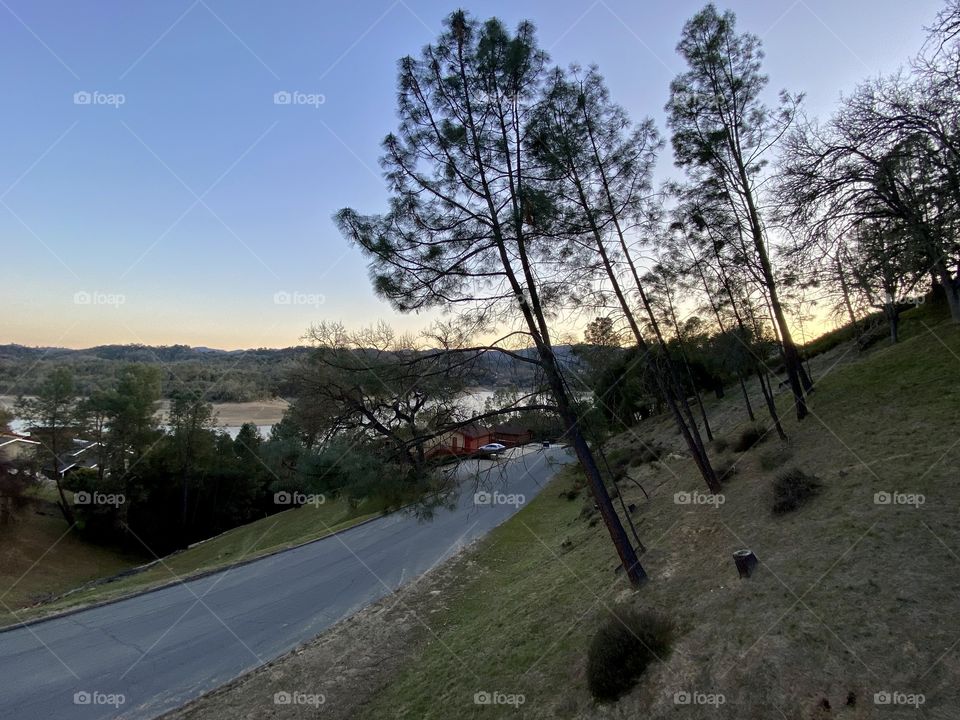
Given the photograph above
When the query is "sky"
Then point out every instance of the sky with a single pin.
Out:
(168, 170)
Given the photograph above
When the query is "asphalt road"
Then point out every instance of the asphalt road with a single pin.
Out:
(158, 650)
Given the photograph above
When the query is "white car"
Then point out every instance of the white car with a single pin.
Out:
(492, 448)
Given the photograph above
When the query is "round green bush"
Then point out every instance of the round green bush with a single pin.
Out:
(625, 644)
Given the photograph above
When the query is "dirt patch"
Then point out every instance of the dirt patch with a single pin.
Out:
(263, 412)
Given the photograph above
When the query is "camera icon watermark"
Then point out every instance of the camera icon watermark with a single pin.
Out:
(299, 698)
(914, 500)
(283, 297)
(296, 498)
(496, 697)
(484, 497)
(698, 498)
(83, 297)
(95, 97)
(896, 697)
(296, 97)
(95, 697)
(98, 498)
(685, 697)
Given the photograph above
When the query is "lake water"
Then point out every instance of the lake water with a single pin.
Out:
(473, 402)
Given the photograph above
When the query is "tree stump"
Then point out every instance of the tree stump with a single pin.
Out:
(746, 562)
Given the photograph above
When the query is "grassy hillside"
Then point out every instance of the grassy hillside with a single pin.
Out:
(852, 598)
(40, 561)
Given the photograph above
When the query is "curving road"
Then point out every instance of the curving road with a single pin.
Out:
(158, 650)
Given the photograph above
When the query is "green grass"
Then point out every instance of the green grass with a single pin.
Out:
(851, 597)
(32, 575)
(40, 559)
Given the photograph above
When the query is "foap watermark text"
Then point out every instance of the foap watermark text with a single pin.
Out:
(498, 498)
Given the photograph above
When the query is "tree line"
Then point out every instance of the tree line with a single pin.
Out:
(155, 482)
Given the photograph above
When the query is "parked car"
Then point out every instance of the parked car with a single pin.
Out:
(490, 449)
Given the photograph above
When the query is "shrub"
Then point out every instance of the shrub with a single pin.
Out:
(720, 444)
(791, 489)
(749, 437)
(626, 643)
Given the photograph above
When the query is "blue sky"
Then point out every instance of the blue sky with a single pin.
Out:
(176, 203)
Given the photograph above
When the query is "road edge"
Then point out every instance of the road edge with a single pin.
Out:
(187, 578)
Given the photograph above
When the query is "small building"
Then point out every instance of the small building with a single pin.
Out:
(470, 438)
(14, 446)
(512, 434)
(461, 441)
(82, 454)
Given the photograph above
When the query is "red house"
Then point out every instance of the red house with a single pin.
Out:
(511, 434)
(470, 438)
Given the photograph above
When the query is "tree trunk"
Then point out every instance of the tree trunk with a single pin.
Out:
(790, 355)
(846, 299)
(893, 320)
(533, 316)
(771, 404)
(65, 508)
(686, 365)
(628, 556)
(664, 386)
(746, 397)
(951, 289)
(703, 414)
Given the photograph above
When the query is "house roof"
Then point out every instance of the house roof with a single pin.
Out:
(81, 446)
(7, 438)
(473, 431)
(76, 459)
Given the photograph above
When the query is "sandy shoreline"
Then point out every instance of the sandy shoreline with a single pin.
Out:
(263, 412)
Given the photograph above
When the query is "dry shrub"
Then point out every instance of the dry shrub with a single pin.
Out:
(749, 437)
(791, 489)
(625, 644)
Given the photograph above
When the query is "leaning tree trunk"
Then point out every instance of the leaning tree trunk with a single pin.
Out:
(845, 289)
(536, 322)
(771, 403)
(686, 365)
(746, 397)
(665, 386)
(691, 433)
(598, 489)
(790, 355)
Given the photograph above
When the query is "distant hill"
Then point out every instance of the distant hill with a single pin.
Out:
(224, 375)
